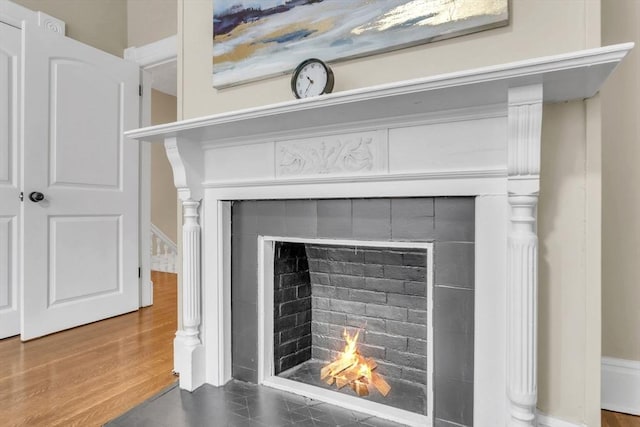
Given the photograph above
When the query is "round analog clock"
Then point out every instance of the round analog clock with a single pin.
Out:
(311, 78)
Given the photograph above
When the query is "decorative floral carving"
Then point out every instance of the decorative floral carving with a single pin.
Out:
(327, 157)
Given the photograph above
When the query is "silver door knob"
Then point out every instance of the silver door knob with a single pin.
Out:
(36, 196)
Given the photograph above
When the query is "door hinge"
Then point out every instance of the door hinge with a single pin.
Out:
(139, 272)
(21, 196)
(140, 90)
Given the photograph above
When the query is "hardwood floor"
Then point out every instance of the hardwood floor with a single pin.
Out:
(88, 375)
(614, 419)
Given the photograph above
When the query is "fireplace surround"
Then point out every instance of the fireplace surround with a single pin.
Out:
(359, 263)
(473, 133)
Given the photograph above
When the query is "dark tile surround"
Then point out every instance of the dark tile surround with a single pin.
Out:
(449, 222)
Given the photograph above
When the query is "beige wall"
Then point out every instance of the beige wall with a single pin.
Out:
(151, 20)
(539, 27)
(164, 195)
(98, 23)
(620, 179)
(569, 299)
(569, 334)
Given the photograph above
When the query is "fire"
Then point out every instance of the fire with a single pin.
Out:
(350, 348)
(351, 368)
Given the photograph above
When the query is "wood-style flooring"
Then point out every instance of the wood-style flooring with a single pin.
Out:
(614, 419)
(88, 375)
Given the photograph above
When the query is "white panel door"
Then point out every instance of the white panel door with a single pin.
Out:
(81, 239)
(9, 184)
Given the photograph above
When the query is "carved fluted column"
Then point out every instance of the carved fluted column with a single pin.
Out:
(190, 273)
(188, 351)
(525, 120)
(522, 282)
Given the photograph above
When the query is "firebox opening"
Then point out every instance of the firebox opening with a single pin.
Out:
(324, 292)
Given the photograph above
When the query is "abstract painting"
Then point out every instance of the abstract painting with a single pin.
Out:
(253, 39)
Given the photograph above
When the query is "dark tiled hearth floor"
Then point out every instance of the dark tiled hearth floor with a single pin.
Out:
(239, 404)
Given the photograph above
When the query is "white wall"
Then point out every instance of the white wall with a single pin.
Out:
(569, 335)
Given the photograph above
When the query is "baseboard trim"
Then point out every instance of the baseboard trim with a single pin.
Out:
(547, 421)
(620, 390)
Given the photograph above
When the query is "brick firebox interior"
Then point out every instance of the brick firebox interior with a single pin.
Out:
(320, 290)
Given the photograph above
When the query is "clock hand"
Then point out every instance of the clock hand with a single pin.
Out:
(308, 86)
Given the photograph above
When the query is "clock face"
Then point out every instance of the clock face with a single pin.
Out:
(312, 78)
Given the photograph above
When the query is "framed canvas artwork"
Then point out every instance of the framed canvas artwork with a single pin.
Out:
(253, 39)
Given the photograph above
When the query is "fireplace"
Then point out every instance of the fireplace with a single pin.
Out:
(473, 135)
(365, 266)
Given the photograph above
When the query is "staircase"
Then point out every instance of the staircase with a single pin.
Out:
(164, 253)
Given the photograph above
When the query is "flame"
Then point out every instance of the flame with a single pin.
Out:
(351, 368)
(365, 371)
(350, 354)
(351, 347)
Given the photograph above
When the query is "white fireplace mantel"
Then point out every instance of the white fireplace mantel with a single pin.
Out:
(472, 133)
(565, 77)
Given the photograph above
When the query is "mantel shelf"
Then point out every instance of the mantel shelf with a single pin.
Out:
(564, 77)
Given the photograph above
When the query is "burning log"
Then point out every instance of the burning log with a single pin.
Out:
(353, 373)
(352, 369)
(341, 382)
(336, 367)
(380, 384)
(360, 388)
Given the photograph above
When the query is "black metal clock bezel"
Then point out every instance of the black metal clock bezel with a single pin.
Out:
(328, 87)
